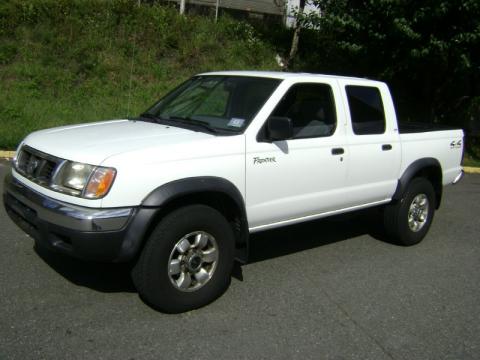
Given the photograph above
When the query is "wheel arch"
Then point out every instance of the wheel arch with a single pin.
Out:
(216, 192)
(428, 168)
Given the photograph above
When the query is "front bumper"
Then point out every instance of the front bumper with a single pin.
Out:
(91, 234)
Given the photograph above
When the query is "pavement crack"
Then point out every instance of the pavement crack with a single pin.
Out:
(357, 324)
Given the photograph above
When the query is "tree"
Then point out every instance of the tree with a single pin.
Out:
(296, 35)
(428, 50)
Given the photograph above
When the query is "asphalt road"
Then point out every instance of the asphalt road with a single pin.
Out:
(322, 290)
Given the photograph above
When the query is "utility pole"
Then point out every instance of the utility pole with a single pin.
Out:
(182, 7)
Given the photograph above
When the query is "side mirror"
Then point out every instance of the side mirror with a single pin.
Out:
(279, 128)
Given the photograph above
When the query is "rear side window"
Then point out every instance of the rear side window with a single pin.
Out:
(366, 110)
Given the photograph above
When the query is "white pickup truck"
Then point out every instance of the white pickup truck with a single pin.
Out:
(178, 190)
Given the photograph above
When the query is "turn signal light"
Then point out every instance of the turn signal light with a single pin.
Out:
(99, 183)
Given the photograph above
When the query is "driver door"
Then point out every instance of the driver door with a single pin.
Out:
(302, 177)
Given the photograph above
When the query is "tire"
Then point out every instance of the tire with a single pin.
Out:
(403, 219)
(167, 261)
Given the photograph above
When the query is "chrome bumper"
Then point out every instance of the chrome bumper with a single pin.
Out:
(55, 212)
(86, 233)
(458, 178)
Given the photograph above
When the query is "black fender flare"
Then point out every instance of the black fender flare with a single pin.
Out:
(411, 171)
(178, 188)
(157, 200)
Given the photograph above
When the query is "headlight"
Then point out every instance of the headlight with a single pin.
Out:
(74, 176)
(88, 181)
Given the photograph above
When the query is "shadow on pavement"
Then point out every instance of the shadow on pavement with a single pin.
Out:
(107, 277)
(291, 239)
(103, 277)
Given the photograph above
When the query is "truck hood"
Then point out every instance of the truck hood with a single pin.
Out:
(92, 143)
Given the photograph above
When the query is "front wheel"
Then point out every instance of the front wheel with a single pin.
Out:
(408, 220)
(187, 261)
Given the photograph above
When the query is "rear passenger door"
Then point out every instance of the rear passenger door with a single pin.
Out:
(373, 142)
(304, 175)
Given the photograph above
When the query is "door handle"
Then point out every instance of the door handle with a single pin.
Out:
(386, 147)
(338, 151)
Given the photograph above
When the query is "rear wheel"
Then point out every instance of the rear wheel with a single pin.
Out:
(187, 261)
(407, 221)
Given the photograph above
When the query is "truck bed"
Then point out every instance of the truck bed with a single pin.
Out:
(443, 143)
(405, 127)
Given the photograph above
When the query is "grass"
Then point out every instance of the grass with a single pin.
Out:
(470, 161)
(74, 61)
(64, 62)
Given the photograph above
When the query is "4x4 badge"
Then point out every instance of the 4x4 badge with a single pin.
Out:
(456, 144)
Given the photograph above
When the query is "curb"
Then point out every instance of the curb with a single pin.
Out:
(467, 169)
(471, 170)
(6, 154)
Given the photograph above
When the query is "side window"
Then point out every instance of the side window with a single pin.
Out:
(311, 107)
(366, 110)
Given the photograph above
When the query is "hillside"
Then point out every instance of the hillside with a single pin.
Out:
(65, 62)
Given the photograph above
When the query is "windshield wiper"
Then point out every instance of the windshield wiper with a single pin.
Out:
(186, 121)
(147, 115)
(189, 121)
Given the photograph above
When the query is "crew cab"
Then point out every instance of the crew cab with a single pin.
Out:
(177, 190)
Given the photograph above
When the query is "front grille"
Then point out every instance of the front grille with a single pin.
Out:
(36, 166)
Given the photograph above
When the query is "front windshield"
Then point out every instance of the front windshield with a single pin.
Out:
(224, 103)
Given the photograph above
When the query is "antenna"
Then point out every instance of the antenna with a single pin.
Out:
(132, 63)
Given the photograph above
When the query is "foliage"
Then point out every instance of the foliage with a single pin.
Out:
(70, 61)
(428, 50)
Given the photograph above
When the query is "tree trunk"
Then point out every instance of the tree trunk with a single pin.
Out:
(296, 37)
(182, 7)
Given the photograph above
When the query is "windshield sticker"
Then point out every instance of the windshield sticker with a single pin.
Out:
(236, 122)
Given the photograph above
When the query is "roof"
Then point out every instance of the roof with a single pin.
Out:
(280, 75)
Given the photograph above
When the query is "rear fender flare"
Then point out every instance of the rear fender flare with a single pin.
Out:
(412, 170)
